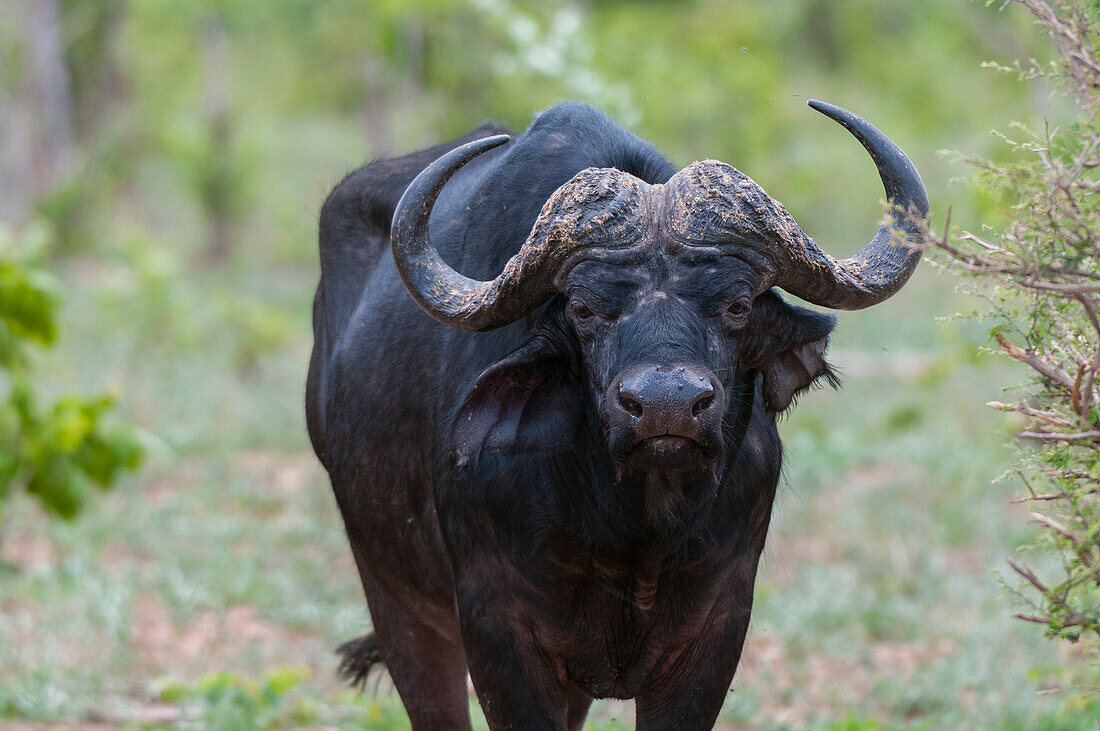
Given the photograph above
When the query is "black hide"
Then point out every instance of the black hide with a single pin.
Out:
(503, 512)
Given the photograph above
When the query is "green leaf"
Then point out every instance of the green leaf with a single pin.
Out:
(59, 487)
(28, 302)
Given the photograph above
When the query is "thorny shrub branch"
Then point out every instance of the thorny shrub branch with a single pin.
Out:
(1042, 272)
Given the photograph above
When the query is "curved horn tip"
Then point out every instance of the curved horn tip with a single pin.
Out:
(839, 114)
(495, 140)
(899, 175)
(881, 268)
(468, 151)
(850, 120)
(825, 107)
(430, 181)
(472, 149)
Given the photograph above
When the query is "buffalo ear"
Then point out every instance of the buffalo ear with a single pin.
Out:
(532, 401)
(787, 345)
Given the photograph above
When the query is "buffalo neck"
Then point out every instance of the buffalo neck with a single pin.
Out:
(579, 495)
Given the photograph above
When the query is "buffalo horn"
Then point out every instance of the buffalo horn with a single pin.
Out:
(446, 295)
(594, 210)
(885, 264)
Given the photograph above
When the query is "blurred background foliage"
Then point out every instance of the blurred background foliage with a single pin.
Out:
(171, 159)
(55, 451)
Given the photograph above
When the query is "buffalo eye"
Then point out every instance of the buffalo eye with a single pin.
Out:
(582, 312)
(737, 313)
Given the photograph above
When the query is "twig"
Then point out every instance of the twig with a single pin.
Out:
(1075, 394)
(1032, 618)
(1082, 551)
(1034, 496)
(1049, 370)
(1027, 410)
(1065, 288)
(1031, 578)
(1044, 436)
(1094, 366)
(1073, 619)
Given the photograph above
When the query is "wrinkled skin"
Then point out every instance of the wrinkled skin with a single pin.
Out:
(643, 586)
(572, 506)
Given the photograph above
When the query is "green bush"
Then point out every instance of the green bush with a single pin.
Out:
(57, 449)
(1041, 273)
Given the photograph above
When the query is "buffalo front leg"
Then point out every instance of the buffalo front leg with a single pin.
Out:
(427, 667)
(688, 694)
(578, 701)
(514, 681)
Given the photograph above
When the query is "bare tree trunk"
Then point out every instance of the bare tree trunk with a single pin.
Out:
(36, 133)
(376, 102)
(49, 89)
(413, 60)
(215, 65)
(99, 82)
(394, 89)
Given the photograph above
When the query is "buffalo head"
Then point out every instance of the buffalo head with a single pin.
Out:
(663, 323)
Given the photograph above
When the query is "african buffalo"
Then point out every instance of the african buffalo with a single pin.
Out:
(557, 467)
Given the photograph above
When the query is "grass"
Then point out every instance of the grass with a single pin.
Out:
(211, 589)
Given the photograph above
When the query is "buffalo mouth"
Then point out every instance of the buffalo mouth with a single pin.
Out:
(668, 469)
(668, 451)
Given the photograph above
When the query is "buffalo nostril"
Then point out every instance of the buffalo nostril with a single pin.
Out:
(702, 404)
(630, 403)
